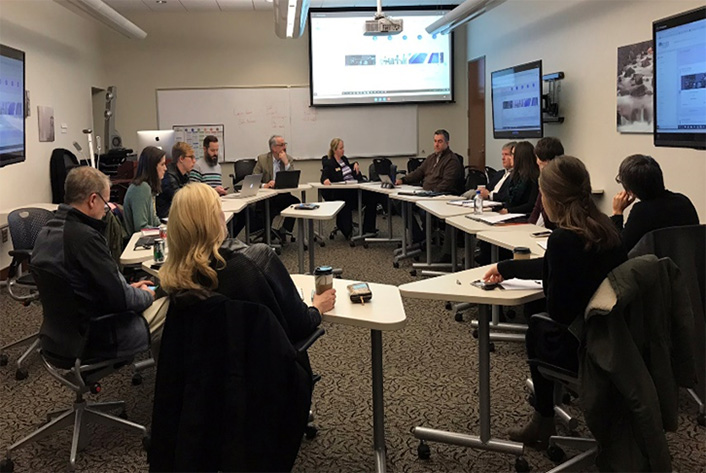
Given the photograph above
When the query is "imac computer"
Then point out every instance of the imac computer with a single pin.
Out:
(162, 139)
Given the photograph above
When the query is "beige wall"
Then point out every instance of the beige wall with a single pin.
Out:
(234, 50)
(581, 37)
(63, 61)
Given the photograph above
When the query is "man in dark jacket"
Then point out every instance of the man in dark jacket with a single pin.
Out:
(72, 247)
(176, 177)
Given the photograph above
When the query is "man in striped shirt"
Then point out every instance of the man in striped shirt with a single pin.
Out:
(207, 170)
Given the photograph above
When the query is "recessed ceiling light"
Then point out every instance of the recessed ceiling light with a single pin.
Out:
(161, 2)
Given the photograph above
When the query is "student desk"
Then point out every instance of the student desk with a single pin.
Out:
(407, 202)
(378, 189)
(384, 312)
(352, 185)
(514, 238)
(235, 205)
(457, 287)
(441, 210)
(326, 211)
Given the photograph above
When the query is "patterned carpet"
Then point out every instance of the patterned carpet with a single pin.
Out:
(430, 379)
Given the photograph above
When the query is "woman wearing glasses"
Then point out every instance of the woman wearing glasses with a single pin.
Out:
(139, 205)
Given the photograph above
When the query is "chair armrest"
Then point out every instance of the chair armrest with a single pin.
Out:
(20, 255)
(303, 345)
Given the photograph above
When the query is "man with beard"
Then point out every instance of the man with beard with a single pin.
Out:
(207, 170)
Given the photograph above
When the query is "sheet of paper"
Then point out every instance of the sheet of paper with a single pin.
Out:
(521, 284)
(543, 244)
(494, 218)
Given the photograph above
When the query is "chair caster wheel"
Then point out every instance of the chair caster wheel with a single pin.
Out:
(293, 239)
(395, 264)
(365, 245)
(521, 465)
(136, 379)
(474, 332)
(491, 347)
(448, 306)
(7, 465)
(278, 252)
(123, 414)
(332, 236)
(21, 374)
(147, 442)
(531, 400)
(413, 272)
(95, 388)
(352, 244)
(556, 454)
(423, 451)
(310, 431)
(458, 317)
(701, 419)
(306, 247)
(3, 359)
(322, 244)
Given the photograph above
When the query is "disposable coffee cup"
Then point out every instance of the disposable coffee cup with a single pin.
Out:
(323, 279)
(521, 252)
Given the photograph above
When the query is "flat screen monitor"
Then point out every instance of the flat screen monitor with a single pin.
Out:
(162, 139)
(680, 80)
(12, 105)
(517, 101)
(348, 68)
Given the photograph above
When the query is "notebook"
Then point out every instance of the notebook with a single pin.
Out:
(287, 179)
(251, 184)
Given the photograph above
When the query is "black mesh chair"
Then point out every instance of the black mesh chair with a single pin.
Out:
(242, 168)
(25, 225)
(474, 178)
(414, 163)
(78, 353)
(490, 172)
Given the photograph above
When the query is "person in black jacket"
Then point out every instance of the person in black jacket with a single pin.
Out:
(337, 168)
(72, 246)
(176, 177)
(642, 178)
(581, 251)
(523, 181)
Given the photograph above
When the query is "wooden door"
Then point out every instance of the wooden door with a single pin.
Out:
(476, 113)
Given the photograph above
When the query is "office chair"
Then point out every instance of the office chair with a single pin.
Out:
(61, 162)
(25, 225)
(414, 163)
(490, 172)
(251, 388)
(686, 246)
(242, 168)
(79, 353)
(474, 178)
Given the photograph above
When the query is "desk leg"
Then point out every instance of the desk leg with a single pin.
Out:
(484, 441)
(436, 268)
(470, 250)
(247, 224)
(312, 245)
(390, 238)
(268, 239)
(405, 252)
(378, 403)
(300, 227)
(454, 250)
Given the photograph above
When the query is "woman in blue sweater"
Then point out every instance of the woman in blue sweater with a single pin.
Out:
(139, 206)
(581, 251)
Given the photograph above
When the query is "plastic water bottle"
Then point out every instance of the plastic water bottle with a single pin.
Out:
(478, 203)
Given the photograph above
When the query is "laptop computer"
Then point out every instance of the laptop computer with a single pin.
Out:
(386, 182)
(251, 184)
(287, 179)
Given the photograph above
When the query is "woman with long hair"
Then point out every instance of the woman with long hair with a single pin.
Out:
(581, 251)
(523, 180)
(202, 261)
(139, 205)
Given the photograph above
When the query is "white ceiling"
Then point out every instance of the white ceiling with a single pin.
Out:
(127, 6)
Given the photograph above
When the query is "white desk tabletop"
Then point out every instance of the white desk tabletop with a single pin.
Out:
(417, 198)
(236, 205)
(442, 209)
(326, 211)
(385, 310)
(299, 188)
(447, 288)
(338, 185)
(474, 226)
(132, 255)
(513, 239)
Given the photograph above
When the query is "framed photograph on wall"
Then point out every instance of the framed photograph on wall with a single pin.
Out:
(635, 88)
(46, 123)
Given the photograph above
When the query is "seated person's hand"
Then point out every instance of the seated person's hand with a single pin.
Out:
(621, 201)
(283, 157)
(221, 190)
(398, 182)
(269, 185)
(325, 301)
(484, 193)
(356, 168)
(493, 276)
(327, 182)
(144, 285)
(503, 211)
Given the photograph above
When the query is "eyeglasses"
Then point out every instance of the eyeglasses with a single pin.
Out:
(191, 156)
(106, 207)
(281, 144)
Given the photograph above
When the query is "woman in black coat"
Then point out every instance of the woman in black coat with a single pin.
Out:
(336, 168)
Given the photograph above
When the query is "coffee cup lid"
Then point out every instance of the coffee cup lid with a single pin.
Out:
(521, 250)
(323, 270)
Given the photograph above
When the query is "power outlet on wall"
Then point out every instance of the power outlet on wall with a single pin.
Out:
(3, 234)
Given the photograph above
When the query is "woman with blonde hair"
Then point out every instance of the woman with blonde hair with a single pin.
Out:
(581, 251)
(202, 261)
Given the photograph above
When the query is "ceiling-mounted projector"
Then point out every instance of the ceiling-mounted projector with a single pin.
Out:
(381, 24)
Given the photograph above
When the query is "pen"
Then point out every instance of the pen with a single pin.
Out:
(362, 301)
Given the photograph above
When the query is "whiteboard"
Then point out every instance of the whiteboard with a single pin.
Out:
(251, 115)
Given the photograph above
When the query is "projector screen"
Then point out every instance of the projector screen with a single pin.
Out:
(12, 110)
(680, 80)
(517, 101)
(349, 68)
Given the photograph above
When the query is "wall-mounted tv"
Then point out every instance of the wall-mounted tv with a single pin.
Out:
(12, 105)
(517, 101)
(680, 80)
(349, 68)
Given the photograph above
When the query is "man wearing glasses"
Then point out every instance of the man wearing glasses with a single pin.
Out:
(269, 164)
(176, 177)
(72, 247)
